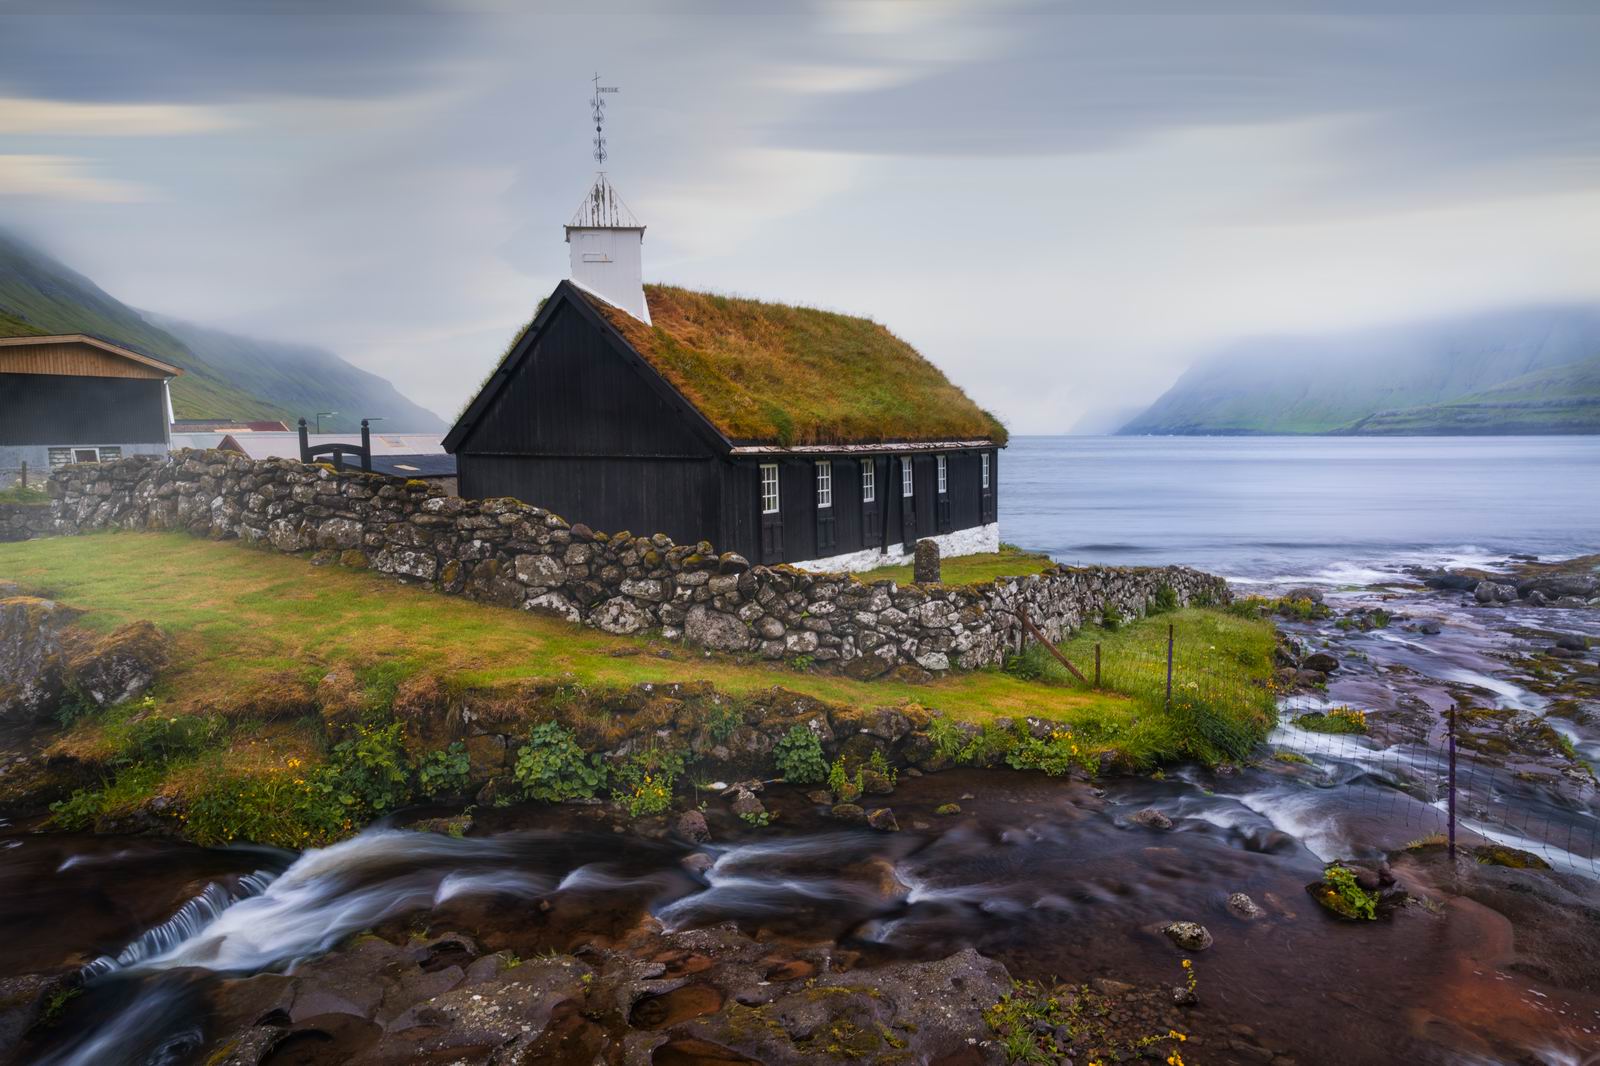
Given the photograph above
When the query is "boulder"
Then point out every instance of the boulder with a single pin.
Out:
(1305, 592)
(1243, 906)
(925, 565)
(620, 615)
(691, 826)
(1151, 818)
(715, 630)
(32, 632)
(882, 819)
(120, 666)
(1190, 936)
(1321, 662)
(1573, 642)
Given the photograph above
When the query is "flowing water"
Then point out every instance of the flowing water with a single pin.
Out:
(1049, 876)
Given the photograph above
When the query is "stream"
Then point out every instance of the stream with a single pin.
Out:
(1049, 876)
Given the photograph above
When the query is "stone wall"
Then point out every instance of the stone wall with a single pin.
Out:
(24, 521)
(507, 552)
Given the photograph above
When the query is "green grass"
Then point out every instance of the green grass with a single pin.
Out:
(797, 375)
(18, 494)
(1009, 561)
(241, 617)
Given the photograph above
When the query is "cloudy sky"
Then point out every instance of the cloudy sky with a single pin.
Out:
(1062, 204)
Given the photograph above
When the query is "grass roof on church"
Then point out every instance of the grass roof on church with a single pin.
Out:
(775, 373)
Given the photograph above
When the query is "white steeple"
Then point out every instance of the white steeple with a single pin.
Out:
(605, 245)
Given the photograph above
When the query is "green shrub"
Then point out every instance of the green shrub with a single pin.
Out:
(722, 719)
(552, 767)
(368, 774)
(1056, 754)
(879, 763)
(1343, 896)
(644, 781)
(445, 773)
(1165, 600)
(78, 811)
(160, 739)
(1110, 617)
(1032, 663)
(798, 755)
(845, 788)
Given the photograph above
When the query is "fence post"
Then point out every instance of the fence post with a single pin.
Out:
(1097, 664)
(1170, 629)
(1451, 731)
(24, 473)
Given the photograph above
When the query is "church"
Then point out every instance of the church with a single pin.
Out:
(786, 434)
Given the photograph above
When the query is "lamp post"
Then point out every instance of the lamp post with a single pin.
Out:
(320, 415)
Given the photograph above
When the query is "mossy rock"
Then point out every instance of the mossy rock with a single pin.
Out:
(1515, 858)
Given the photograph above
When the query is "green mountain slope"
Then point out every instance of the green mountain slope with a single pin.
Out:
(225, 376)
(1561, 399)
(303, 379)
(1337, 382)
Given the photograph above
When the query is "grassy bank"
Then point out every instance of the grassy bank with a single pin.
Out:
(1009, 561)
(237, 733)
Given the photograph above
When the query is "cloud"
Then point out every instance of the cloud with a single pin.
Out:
(19, 115)
(60, 177)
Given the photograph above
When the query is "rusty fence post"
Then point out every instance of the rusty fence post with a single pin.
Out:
(1451, 806)
(1170, 630)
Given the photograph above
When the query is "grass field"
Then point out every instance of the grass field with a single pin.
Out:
(244, 621)
(241, 615)
(1009, 561)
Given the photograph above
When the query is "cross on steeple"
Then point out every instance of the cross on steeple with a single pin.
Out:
(599, 107)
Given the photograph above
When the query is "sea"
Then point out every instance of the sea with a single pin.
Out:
(1337, 510)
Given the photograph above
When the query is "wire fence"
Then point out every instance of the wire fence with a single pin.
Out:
(1448, 777)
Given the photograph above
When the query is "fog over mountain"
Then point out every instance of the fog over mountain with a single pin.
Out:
(1527, 369)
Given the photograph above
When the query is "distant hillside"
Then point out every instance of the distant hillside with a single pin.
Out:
(226, 376)
(303, 379)
(1562, 399)
(1341, 383)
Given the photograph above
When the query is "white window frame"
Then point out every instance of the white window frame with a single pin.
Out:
(824, 484)
(944, 475)
(869, 481)
(61, 456)
(985, 457)
(771, 502)
(908, 484)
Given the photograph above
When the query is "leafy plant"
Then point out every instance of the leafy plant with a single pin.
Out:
(368, 773)
(845, 788)
(552, 767)
(644, 782)
(158, 738)
(722, 719)
(879, 763)
(798, 755)
(446, 772)
(757, 818)
(1056, 754)
(1343, 896)
(1334, 720)
(1110, 617)
(1166, 599)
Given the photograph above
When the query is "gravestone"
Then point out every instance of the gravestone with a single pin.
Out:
(926, 566)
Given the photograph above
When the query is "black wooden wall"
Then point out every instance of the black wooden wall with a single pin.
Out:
(56, 409)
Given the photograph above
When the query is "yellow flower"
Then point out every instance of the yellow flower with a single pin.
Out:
(1186, 964)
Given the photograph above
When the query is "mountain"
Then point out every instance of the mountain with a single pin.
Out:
(225, 376)
(1341, 382)
(1560, 399)
(303, 379)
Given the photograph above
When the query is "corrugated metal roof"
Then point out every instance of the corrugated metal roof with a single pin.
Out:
(423, 465)
(287, 445)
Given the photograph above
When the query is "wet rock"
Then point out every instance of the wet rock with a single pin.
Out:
(745, 804)
(876, 782)
(1190, 936)
(822, 797)
(848, 812)
(1573, 642)
(1304, 592)
(1243, 906)
(947, 809)
(1321, 662)
(1513, 858)
(697, 862)
(1428, 627)
(1107, 987)
(1494, 592)
(1152, 818)
(691, 826)
(882, 819)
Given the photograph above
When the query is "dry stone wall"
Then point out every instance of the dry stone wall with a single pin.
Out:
(512, 553)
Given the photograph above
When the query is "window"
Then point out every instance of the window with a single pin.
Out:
(60, 456)
(85, 455)
(869, 481)
(769, 488)
(944, 475)
(906, 488)
(985, 458)
(108, 454)
(824, 484)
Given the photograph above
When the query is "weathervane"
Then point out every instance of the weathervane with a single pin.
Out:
(600, 119)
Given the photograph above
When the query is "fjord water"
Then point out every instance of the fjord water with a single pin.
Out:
(1280, 508)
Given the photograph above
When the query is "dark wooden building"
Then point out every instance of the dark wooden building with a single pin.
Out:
(785, 434)
(76, 398)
